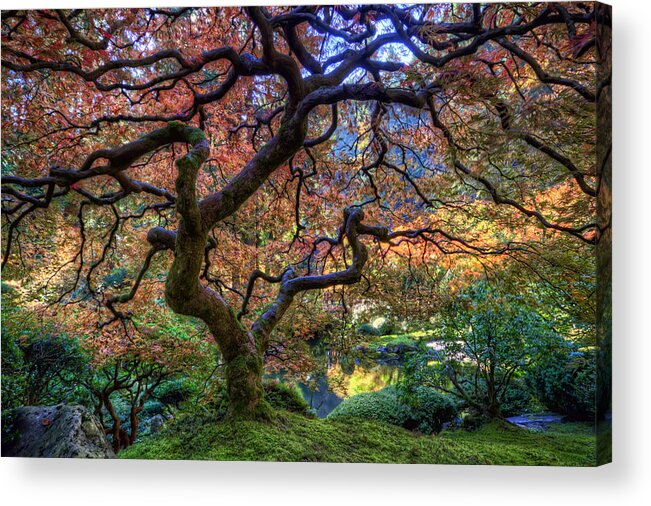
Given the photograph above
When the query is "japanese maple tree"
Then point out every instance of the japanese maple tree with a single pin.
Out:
(244, 157)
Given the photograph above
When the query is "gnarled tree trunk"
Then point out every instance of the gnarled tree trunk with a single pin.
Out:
(244, 380)
(241, 349)
(185, 294)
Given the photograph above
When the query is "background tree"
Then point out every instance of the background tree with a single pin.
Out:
(136, 381)
(488, 340)
(40, 364)
(322, 143)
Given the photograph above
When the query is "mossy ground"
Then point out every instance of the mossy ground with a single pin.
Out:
(294, 438)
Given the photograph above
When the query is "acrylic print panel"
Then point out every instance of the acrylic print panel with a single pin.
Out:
(372, 233)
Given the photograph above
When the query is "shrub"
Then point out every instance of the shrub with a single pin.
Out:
(152, 408)
(385, 329)
(472, 421)
(287, 397)
(174, 392)
(40, 365)
(14, 382)
(368, 330)
(430, 409)
(566, 384)
(425, 410)
(41, 370)
(517, 398)
(383, 406)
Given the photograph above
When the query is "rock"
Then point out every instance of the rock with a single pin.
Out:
(396, 350)
(156, 423)
(61, 431)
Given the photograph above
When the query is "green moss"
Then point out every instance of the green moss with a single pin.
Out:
(245, 391)
(286, 397)
(295, 438)
(188, 166)
(571, 444)
(176, 124)
(193, 135)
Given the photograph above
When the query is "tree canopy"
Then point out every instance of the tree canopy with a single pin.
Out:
(227, 162)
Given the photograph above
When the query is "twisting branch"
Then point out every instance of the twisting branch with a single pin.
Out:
(255, 275)
(126, 297)
(500, 199)
(542, 75)
(327, 134)
(291, 283)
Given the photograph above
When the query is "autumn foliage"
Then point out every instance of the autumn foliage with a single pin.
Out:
(261, 170)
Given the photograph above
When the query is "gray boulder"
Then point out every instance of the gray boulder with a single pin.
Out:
(61, 431)
(156, 423)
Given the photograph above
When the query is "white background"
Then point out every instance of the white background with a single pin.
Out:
(625, 482)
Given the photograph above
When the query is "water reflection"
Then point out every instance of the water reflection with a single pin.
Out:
(346, 374)
(319, 397)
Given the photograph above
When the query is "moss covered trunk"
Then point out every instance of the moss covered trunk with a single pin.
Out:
(244, 386)
(243, 360)
(186, 293)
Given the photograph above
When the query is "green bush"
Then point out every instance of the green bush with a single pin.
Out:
(40, 369)
(287, 397)
(40, 365)
(426, 410)
(430, 409)
(14, 381)
(151, 409)
(387, 328)
(174, 392)
(472, 421)
(383, 406)
(367, 329)
(517, 398)
(566, 384)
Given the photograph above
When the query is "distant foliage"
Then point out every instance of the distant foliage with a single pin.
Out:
(40, 365)
(385, 329)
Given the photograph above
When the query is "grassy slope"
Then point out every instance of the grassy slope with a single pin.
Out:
(294, 438)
